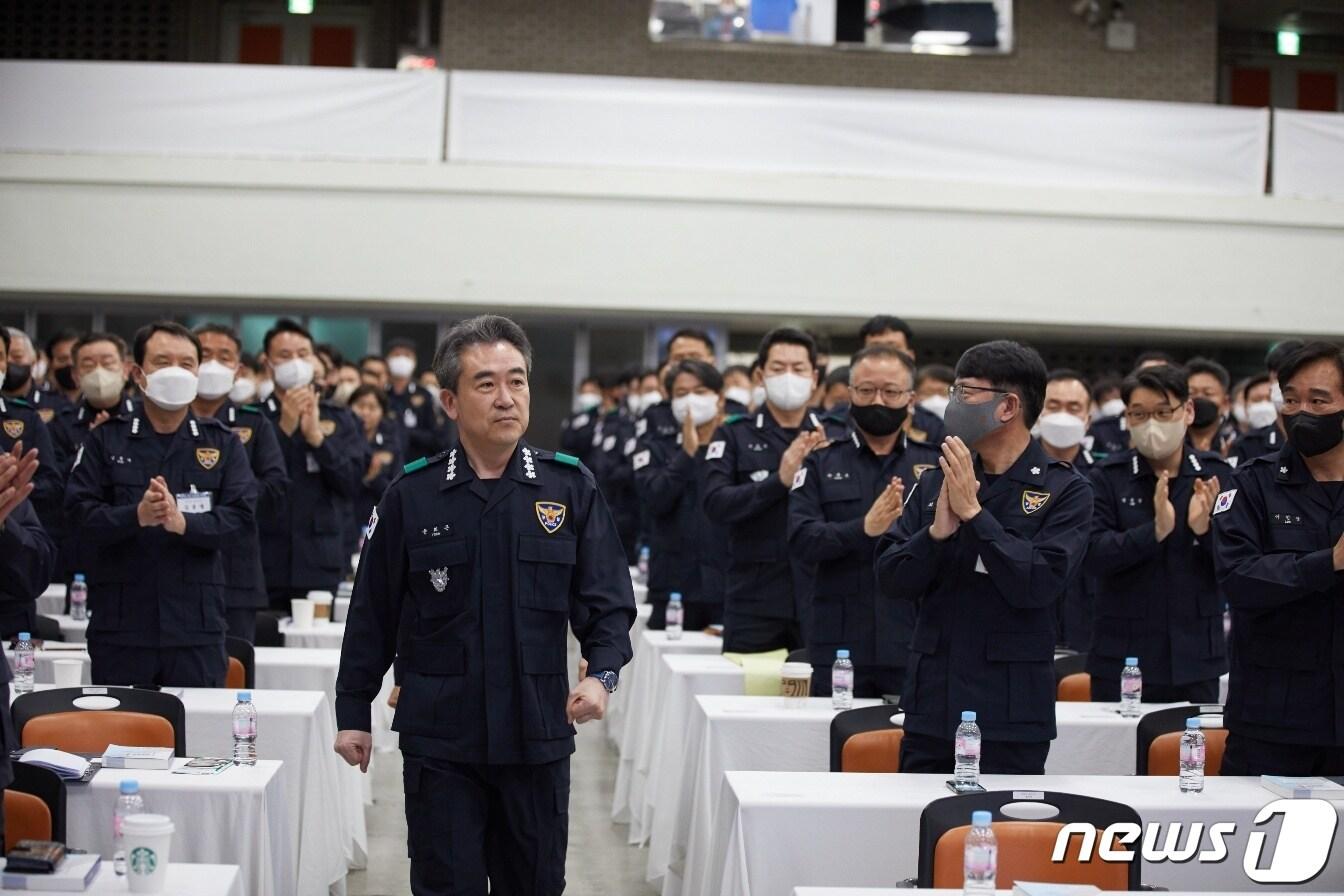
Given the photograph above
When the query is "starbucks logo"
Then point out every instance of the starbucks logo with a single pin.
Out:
(143, 860)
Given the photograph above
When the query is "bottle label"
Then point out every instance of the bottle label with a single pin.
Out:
(980, 861)
(1192, 754)
(24, 662)
(968, 746)
(1131, 686)
(244, 727)
(842, 678)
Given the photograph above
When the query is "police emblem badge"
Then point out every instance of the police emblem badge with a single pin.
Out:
(439, 578)
(207, 457)
(13, 428)
(551, 516)
(1034, 501)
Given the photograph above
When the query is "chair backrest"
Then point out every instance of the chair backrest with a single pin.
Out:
(801, 655)
(26, 818)
(1025, 849)
(47, 629)
(1158, 739)
(852, 722)
(86, 720)
(1075, 688)
(47, 786)
(1069, 664)
(268, 631)
(235, 679)
(242, 652)
(1047, 809)
(873, 751)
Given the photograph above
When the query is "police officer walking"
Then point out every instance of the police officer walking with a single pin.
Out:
(843, 499)
(985, 547)
(1280, 558)
(161, 493)
(475, 561)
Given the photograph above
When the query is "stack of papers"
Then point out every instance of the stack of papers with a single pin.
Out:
(1303, 788)
(67, 765)
(117, 756)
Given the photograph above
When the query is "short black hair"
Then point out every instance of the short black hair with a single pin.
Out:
(284, 325)
(1103, 385)
(1154, 355)
(591, 379)
(1212, 368)
(1009, 366)
(647, 372)
(4, 340)
(91, 338)
(1309, 354)
(62, 335)
(837, 376)
(882, 351)
(221, 330)
(689, 333)
(881, 323)
(786, 336)
(1162, 379)
(938, 372)
(172, 328)
(1279, 352)
(249, 360)
(737, 368)
(407, 344)
(366, 389)
(707, 374)
(1062, 374)
(376, 358)
(332, 353)
(487, 329)
(1253, 381)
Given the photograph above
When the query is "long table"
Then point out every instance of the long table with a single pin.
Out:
(786, 830)
(183, 880)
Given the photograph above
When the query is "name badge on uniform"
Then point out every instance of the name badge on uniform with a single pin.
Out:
(194, 502)
(311, 463)
(714, 451)
(409, 419)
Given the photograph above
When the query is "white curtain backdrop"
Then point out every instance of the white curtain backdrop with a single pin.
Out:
(246, 111)
(698, 125)
(1308, 154)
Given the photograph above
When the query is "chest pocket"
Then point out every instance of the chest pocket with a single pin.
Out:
(545, 568)
(840, 499)
(439, 577)
(129, 482)
(1296, 538)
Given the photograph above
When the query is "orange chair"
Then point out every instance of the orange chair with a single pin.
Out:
(128, 716)
(26, 818)
(1025, 848)
(866, 740)
(34, 805)
(236, 678)
(1159, 740)
(242, 665)
(1072, 683)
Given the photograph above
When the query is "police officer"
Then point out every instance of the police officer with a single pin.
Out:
(688, 553)
(161, 493)
(410, 403)
(613, 444)
(1151, 552)
(476, 560)
(1269, 438)
(61, 377)
(985, 547)
(737, 390)
(750, 466)
(576, 430)
(19, 381)
(1280, 555)
(27, 552)
(885, 329)
(381, 432)
(846, 496)
(1107, 431)
(1213, 428)
(245, 593)
(100, 362)
(303, 543)
(20, 421)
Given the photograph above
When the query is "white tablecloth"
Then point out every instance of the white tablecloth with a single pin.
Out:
(322, 635)
(635, 695)
(678, 679)
(785, 830)
(617, 706)
(183, 880)
(238, 817)
(52, 601)
(879, 891)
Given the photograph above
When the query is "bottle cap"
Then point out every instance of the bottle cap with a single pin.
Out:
(79, 577)
(968, 715)
(842, 654)
(130, 785)
(244, 696)
(1131, 661)
(981, 818)
(1192, 722)
(675, 595)
(25, 636)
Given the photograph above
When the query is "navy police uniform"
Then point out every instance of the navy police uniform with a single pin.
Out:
(767, 592)
(471, 584)
(1267, 440)
(303, 542)
(1276, 529)
(414, 411)
(613, 444)
(925, 426)
(1077, 608)
(985, 600)
(386, 438)
(831, 495)
(68, 431)
(245, 592)
(576, 434)
(29, 558)
(156, 599)
(21, 422)
(1109, 435)
(1156, 600)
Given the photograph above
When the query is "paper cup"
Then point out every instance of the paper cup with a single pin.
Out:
(339, 609)
(795, 683)
(301, 612)
(148, 840)
(322, 601)
(68, 673)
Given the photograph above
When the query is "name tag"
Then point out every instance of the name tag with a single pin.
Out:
(313, 465)
(194, 502)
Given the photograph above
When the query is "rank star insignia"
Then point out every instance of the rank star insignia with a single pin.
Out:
(1034, 501)
(207, 457)
(439, 578)
(13, 428)
(1283, 471)
(551, 516)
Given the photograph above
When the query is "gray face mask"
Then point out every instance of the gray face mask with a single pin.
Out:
(972, 422)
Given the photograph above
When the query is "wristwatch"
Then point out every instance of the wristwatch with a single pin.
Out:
(608, 679)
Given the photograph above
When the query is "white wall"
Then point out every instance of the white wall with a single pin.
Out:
(687, 244)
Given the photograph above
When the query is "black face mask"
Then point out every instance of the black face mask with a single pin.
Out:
(16, 376)
(1313, 434)
(1206, 413)
(65, 377)
(877, 419)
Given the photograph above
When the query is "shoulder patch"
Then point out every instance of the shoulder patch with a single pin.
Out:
(1224, 501)
(417, 464)
(373, 524)
(561, 457)
(641, 460)
(799, 478)
(715, 450)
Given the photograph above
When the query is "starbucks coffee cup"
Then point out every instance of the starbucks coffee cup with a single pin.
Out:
(795, 683)
(148, 839)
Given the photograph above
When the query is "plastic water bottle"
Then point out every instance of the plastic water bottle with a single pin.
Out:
(1131, 689)
(676, 616)
(644, 565)
(980, 865)
(967, 752)
(1192, 757)
(23, 664)
(79, 599)
(129, 802)
(842, 681)
(244, 730)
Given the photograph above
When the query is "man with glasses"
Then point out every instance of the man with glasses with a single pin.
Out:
(843, 499)
(1151, 552)
(984, 549)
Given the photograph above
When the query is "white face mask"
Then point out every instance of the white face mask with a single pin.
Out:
(215, 380)
(102, 387)
(242, 391)
(1239, 412)
(1155, 439)
(1113, 408)
(738, 394)
(788, 391)
(39, 371)
(401, 366)
(341, 394)
(648, 400)
(1260, 414)
(702, 408)
(935, 404)
(293, 373)
(1061, 430)
(171, 388)
(265, 389)
(1276, 395)
(757, 396)
(587, 401)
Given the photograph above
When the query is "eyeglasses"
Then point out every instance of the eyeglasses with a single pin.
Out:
(961, 391)
(891, 396)
(1162, 415)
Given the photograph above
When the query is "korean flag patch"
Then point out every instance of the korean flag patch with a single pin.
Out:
(715, 450)
(640, 460)
(373, 524)
(1225, 500)
(799, 478)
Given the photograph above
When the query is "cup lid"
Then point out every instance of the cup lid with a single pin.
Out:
(147, 825)
(797, 669)
(319, 595)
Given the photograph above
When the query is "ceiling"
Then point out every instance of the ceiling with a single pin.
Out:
(1303, 16)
